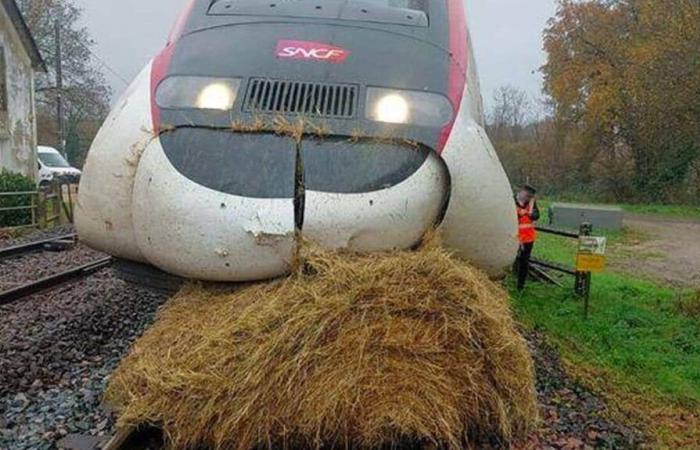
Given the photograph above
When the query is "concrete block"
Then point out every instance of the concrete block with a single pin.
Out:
(570, 215)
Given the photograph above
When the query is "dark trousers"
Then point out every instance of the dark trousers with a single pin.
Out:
(523, 263)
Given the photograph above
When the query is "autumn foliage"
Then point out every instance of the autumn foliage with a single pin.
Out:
(623, 84)
(85, 92)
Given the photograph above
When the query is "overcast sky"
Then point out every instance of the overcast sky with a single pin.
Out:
(507, 35)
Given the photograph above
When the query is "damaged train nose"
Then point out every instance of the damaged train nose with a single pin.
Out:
(232, 201)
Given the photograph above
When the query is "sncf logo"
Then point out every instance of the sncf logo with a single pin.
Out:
(311, 51)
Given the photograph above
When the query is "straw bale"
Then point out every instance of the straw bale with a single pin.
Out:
(362, 351)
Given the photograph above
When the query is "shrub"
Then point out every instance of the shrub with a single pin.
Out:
(15, 182)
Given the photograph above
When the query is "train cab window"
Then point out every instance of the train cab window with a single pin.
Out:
(415, 5)
(397, 12)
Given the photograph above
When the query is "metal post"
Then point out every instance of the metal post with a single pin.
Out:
(583, 279)
(585, 230)
(587, 296)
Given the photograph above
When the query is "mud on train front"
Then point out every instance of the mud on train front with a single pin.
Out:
(185, 175)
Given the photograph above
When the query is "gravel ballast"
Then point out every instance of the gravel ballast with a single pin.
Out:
(572, 417)
(56, 351)
(21, 269)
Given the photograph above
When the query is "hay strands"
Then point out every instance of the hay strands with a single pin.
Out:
(355, 351)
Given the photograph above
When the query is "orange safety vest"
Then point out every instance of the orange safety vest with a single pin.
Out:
(527, 231)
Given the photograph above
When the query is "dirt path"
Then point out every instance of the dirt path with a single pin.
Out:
(669, 250)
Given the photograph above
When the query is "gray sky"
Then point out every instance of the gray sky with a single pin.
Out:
(507, 35)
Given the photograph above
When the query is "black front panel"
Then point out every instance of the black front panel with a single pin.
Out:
(376, 57)
(381, 54)
(348, 167)
(248, 165)
(378, 54)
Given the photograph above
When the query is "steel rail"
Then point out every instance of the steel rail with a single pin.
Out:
(52, 281)
(31, 246)
(136, 438)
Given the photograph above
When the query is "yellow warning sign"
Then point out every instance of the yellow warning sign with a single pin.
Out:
(591, 254)
(587, 262)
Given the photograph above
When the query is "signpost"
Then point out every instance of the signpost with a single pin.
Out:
(589, 259)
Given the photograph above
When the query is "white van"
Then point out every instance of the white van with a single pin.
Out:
(52, 165)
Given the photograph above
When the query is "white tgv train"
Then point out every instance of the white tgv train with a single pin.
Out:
(170, 183)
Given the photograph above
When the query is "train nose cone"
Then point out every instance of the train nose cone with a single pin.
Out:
(221, 206)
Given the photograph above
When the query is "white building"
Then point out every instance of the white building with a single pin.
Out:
(19, 61)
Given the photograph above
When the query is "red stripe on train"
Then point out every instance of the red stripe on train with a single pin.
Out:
(459, 62)
(161, 62)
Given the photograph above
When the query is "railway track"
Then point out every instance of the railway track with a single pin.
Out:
(29, 247)
(52, 281)
(146, 438)
(57, 243)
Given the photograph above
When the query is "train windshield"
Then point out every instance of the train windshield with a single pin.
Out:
(415, 5)
(400, 12)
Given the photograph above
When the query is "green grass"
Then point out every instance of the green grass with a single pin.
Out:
(683, 212)
(635, 329)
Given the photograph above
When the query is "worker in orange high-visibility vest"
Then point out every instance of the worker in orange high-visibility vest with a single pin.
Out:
(528, 215)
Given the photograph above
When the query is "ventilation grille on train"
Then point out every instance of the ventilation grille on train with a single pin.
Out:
(297, 97)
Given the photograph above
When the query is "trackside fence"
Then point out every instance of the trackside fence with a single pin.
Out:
(45, 208)
(583, 279)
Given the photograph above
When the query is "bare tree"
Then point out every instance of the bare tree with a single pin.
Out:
(85, 91)
(511, 114)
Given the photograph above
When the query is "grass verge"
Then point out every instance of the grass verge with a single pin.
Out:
(678, 211)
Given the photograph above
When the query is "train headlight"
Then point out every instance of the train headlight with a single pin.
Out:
(408, 107)
(216, 96)
(391, 108)
(180, 92)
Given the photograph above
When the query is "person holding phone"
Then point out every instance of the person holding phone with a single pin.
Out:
(528, 215)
